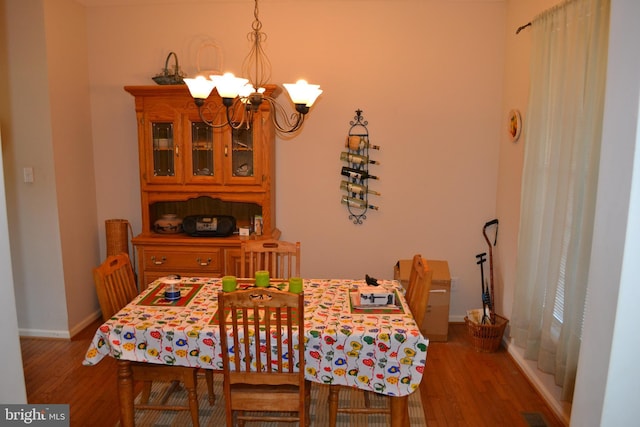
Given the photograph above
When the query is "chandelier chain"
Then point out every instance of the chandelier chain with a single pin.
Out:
(256, 25)
(256, 66)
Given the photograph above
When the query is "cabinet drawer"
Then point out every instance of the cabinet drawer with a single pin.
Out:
(184, 260)
(149, 277)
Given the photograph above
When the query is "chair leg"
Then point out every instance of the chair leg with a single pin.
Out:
(146, 393)
(367, 400)
(229, 413)
(175, 385)
(208, 374)
(190, 383)
(334, 392)
(307, 403)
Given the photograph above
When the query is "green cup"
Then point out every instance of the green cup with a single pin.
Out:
(262, 278)
(295, 285)
(229, 283)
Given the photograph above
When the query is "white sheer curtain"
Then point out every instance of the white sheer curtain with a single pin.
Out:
(562, 135)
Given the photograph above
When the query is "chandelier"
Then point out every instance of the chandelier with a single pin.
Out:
(242, 97)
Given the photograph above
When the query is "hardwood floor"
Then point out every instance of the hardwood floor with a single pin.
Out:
(54, 373)
(460, 388)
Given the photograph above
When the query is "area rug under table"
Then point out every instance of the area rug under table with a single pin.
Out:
(214, 416)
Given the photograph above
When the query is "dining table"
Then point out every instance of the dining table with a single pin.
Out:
(376, 348)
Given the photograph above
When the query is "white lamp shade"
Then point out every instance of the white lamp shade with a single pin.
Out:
(200, 87)
(228, 85)
(246, 90)
(313, 95)
(302, 92)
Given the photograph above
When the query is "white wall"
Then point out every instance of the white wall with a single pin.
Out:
(13, 387)
(66, 42)
(428, 76)
(52, 220)
(32, 208)
(608, 371)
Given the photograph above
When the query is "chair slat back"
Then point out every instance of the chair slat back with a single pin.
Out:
(274, 321)
(115, 284)
(280, 258)
(419, 288)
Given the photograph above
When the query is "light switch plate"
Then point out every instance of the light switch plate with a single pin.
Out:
(28, 174)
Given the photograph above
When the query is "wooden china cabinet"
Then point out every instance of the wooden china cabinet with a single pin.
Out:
(189, 168)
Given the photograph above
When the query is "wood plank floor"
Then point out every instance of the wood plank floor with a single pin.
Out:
(460, 388)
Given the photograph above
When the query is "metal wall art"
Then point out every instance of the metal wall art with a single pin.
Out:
(356, 170)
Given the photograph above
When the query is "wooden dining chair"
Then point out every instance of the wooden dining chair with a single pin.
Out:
(280, 258)
(419, 289)
(115, 284)
(262, 345)
(116, 287)
(417, 296)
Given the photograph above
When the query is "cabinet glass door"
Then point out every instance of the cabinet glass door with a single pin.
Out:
(202, 159)
(242, 153)
(163, 149)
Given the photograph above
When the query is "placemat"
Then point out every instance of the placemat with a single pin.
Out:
(395, 308)
(156, 297)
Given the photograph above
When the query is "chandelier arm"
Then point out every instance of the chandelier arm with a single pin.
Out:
(299, 118)
(210, 123)
(281, 120)
(247, 114)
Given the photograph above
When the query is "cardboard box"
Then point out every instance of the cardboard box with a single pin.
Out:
(436, 322)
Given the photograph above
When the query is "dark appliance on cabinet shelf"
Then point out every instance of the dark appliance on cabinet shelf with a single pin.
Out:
(209, 225)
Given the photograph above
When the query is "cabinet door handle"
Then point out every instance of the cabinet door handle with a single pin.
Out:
(177, 151)
(203, 263)
(226, 151)
(158, 262)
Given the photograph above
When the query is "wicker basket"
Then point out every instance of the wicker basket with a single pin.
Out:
(117, 232)
(486, 338)
(167, 76)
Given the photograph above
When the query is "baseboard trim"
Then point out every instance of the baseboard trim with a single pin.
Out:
(48, 333)
(44, 333)
(86, 322)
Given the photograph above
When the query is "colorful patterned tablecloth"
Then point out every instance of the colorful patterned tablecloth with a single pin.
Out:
(378, 349)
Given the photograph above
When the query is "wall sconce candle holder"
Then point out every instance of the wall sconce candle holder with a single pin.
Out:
(356, 171)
